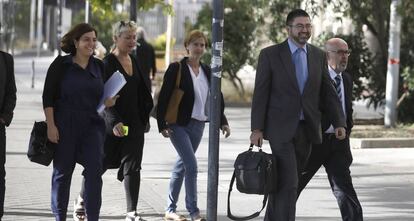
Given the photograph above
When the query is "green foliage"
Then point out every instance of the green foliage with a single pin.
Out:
(104, 16)
(240, 36)
(279, 10)
(359, 62)
(22, 21)
(160, 42)
(102, 22)
(106, 6)
(405, 110)
(375, 14)
(406, 107)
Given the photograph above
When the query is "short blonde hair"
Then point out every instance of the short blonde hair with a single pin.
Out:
(123, 26)
(194, 35)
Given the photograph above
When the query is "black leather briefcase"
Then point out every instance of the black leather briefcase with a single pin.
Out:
(255, 173)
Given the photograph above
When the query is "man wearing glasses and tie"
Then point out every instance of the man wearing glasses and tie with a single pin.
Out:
(335, 155)
(292, 83)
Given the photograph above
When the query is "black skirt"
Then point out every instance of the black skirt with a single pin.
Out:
(124, 153)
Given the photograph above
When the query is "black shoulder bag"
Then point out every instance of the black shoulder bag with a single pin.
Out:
(40, 149)
(255, 173)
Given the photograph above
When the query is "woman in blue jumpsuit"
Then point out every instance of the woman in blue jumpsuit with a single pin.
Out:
(124, 151)
(72, 91)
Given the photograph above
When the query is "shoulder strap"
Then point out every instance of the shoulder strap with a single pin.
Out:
(230, 215)
(60, 72)
(8, 67)
(178, 79)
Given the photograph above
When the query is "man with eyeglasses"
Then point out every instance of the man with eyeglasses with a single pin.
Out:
(335, 155)
(292, 82)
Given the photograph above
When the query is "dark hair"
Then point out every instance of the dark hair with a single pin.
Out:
(294, 14)
(67, 43)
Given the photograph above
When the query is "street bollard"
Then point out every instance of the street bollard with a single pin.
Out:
(33, 74)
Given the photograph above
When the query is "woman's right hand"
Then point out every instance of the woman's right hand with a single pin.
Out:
(52, 133)
(118, 130)
(110, 101)
(166, 132)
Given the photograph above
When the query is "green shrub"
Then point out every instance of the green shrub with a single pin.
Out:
(160, 42)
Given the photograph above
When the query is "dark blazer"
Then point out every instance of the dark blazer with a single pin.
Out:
(326, 122)
(277, 101)
(187, 102)
(54, 76)
(7, 88)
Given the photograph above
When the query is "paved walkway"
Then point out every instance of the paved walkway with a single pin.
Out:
(384, 178)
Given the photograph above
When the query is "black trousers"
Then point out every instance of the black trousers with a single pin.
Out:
(126, 154)
(2, 169)
(335, 155)
(291, 160)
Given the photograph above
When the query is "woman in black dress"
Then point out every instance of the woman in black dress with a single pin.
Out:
(124, 151)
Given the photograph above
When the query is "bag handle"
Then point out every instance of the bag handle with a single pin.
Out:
(178, 79)
(254, 215)
(252, 146)
(230, 215)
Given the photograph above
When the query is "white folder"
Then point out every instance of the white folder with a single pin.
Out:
(111, 88)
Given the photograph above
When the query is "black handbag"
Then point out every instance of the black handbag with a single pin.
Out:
(40, 149)
(255, 173)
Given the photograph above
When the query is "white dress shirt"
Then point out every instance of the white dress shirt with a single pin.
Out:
(200, 84)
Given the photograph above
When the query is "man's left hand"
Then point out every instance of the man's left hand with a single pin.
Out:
(340, 133)
(226, 130)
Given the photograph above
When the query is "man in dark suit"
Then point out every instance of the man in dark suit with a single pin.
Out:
(145, 55)
(292, 82)
(7, 104)
(335, 155)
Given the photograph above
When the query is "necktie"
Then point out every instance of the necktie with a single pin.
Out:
(300, 68)
(338, 80)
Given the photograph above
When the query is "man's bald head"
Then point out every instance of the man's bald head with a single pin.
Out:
(337, 54)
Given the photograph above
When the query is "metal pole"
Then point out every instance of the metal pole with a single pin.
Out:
(33, 73)
(12, 34)
(39, 25)
(2, 29)
(32, 23)
(87, 11)
(215, 109)
(391, 90)
(133, 11)
(59, 28)
(168, 36)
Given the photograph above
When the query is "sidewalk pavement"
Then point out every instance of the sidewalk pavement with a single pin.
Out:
(383, 178)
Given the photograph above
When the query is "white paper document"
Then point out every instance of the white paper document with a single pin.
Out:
(111, 88)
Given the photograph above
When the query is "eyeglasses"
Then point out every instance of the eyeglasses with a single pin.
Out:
(341, 52)
(129, 24)
(301, 26)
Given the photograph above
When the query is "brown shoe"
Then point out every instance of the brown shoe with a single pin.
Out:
(172, 216)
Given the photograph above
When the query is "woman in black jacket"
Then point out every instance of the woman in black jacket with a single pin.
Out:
(72, 91)
(186, 133)
(124, 150)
